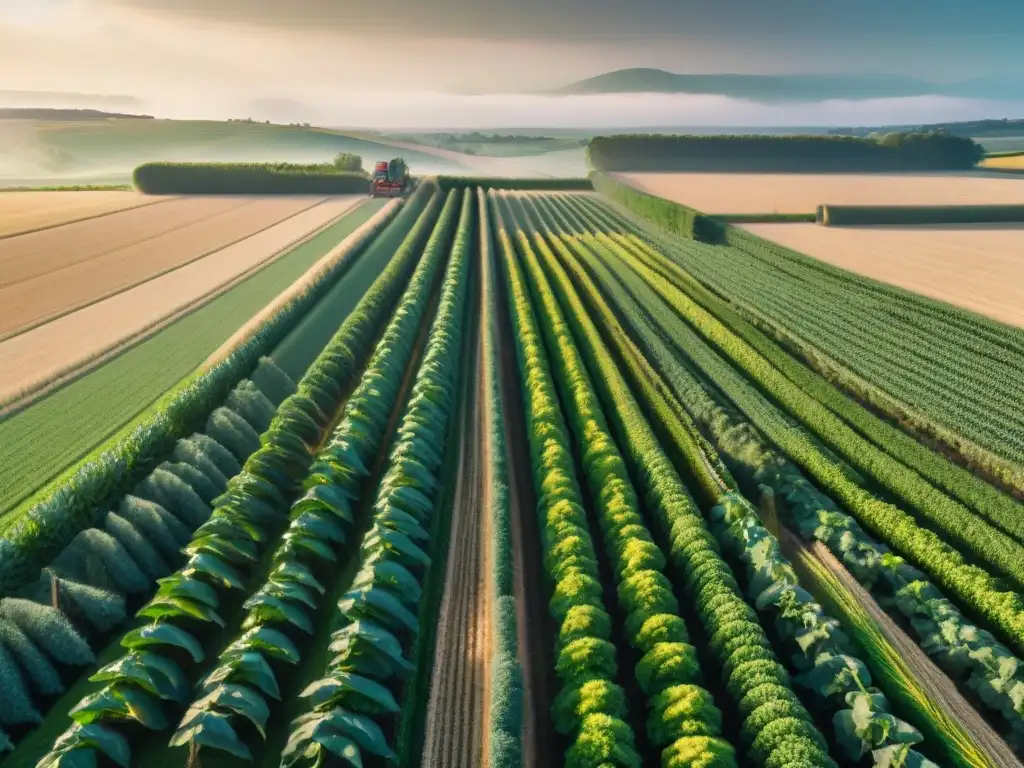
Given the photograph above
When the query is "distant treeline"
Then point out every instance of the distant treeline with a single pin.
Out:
(923, 150)
(42, 113)
(972, 128)
(248, 179)
(894, 215)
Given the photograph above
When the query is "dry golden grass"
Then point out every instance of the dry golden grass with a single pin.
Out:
(723, 193)
(978, 267)
(1013, 162)
(27, 211)
(51, 351)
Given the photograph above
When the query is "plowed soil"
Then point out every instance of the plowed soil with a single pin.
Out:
(43, 354)
(35, 300)
(28, 211)
(457, 713)
(978, 267)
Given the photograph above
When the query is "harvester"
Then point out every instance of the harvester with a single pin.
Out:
(390, 179)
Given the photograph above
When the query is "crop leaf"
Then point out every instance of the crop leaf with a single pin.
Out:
(239, 699)
(164, 634)
(164, 607)
(245, 667)
(269, 641)
(393, 575)
(179, 585)
(209, 729)
(78, 745)
(386, 539)
(352, 691)
(232, 550)
(213, 566)
(264, 607)
(297, 572)
(151, 672)
(377, 604)
(120, 701)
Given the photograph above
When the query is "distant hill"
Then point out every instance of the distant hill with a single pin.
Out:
(791, 88)
(68, 100)
(43, 113)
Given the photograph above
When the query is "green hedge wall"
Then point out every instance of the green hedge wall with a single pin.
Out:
(924, 150)
(842, 215)
(486, 182)
(246, 179)
(667, 215)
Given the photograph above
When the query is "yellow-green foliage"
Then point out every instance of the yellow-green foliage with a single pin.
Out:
(574, 704)
(603, 742)
(699, 752)
(686, 710)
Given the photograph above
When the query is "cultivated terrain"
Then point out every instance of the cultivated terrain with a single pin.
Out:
(517, 469)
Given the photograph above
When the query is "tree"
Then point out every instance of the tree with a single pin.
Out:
(346, 161)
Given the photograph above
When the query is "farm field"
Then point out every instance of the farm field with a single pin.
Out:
(724, 193)
(27, 211)
(1014, 162)
(38, 356)
(525, 481)
(68, 284)
(41, 441)
(977, 267)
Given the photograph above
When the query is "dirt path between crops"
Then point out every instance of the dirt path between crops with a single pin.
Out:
(932, 680)
(542, 747)
(458, 708)
(71, 285)
(36, 361)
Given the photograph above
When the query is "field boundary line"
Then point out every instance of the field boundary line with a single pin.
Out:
(77, 370)
(164, 199)
(95, 300)
(354, 241)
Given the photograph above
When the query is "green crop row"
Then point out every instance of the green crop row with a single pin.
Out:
(971, 585)
(739, 647)
(590, 707)
(320, 521)
(1000, 509)
(227, 549)
(986, 544)
(246, 179)
(103, 569)
(821, 652)
(357, 694)
(33, 534)
(504, 739)
(950, 374)
(968, 653)
(668, 671)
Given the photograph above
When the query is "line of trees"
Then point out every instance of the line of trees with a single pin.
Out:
(247, 178)
(913, 150)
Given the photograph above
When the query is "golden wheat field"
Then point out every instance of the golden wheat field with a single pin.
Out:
(723, 193)
(28, 211)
